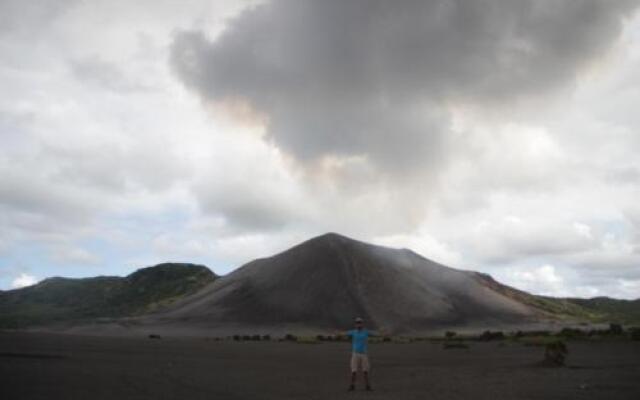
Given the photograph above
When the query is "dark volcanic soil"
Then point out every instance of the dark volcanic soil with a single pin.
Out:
(46, 366)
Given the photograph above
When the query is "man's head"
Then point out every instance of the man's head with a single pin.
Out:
(359, 323)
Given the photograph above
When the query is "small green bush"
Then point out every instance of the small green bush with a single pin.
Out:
(290, 338)
(555, 353)
(488, 335)
(571, 333)
(616, 329)
(307, 340)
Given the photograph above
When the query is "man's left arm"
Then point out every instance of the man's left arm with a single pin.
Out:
(378, 333)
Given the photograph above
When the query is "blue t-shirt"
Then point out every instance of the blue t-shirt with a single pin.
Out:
(359, 340)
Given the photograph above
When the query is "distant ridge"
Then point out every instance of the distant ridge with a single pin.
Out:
(56, 299)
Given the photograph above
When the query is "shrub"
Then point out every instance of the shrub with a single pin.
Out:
(236, 338)
(635, 333)
(255, 338)
(616, 329)
(386, 339)
(536, 333)
(488, 335)
(320, 338)
(555, 353)
(306, 340)
(154, 336)
(266, 337)
(571, 333)
(449, 334)
(290, 338)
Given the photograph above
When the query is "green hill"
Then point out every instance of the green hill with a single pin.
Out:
(614, 310)
(597, 309)
(65, 299)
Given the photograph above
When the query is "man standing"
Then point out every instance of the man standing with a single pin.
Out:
(359, 357)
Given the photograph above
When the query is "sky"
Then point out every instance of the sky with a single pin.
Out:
(492, 135)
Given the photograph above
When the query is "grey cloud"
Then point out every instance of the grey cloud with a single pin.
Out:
(29, 17)
(375, 78)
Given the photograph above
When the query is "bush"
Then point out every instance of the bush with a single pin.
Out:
(616, 329)
(266, 337)
(290, 338)
(555, 353)
(320, 338)
(255, 338)
(237, 338)
(634, 333)
(246, 338)
(488, 335)
(571, 333)
(306, 340)
(536, 333)
(449, 334)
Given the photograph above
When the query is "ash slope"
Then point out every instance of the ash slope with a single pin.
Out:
(326, 281)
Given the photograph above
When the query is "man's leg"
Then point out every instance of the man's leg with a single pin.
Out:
(354, 370)
(365, 371)
(352, 386)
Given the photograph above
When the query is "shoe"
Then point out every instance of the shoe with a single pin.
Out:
(351, 388)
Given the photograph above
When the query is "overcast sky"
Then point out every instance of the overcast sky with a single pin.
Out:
(494, 135)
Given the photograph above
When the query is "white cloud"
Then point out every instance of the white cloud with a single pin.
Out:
(424, 244)
(542, 280)
(72, 255)
(23, 280)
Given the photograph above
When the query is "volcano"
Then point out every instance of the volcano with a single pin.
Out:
(323, 283)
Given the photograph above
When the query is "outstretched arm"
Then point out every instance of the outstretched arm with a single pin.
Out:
(378, 333)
